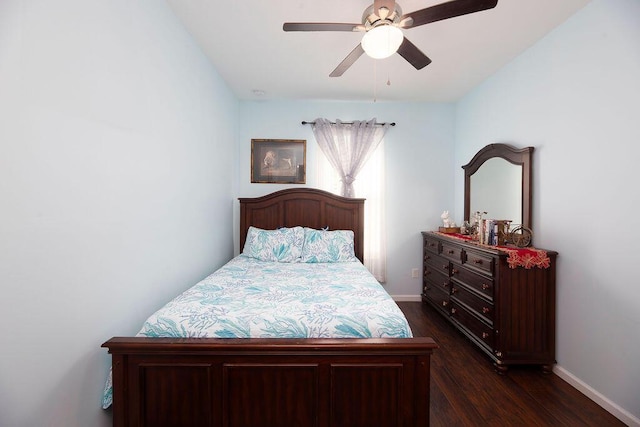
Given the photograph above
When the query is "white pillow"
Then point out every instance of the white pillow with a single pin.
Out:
(281, 245)
(328, 246)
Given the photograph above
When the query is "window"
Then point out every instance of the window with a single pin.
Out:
(369, 184)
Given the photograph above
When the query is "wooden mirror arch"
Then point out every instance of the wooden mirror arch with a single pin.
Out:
(517, 156)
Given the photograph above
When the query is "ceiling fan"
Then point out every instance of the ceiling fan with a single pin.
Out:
(382, 23)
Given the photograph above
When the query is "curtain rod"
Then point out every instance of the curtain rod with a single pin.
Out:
(346, 123)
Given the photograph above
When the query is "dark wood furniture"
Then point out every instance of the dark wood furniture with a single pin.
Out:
(196, 382)
(304, 206)
(518, 156)
(509, 313)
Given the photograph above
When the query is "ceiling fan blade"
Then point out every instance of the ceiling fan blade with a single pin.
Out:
(389, 4)
(411, 53)
(447, 10)
(320, 26)
(348, 61)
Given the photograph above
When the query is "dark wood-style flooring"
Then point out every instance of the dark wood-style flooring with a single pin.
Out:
(466, 391)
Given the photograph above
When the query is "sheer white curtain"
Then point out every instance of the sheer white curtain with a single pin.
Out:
(353, 165)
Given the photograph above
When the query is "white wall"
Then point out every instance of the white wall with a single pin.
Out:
(574, 97)
(419, 163)
(116, 191)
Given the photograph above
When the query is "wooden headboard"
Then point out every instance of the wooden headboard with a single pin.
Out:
(306, 207)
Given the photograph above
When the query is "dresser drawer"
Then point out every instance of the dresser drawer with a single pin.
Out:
(437, 297)
(476, 327)
(479, 261)
(452, 252)
(479, 306)
(437, 280)
(482, 284)
(431, 245)
(436, 263)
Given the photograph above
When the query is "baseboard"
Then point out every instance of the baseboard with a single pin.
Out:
(611, 407)
(406, 298)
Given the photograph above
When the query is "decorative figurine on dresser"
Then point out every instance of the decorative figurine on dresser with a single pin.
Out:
(501, 296)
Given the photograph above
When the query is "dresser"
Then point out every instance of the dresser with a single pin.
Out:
(509, 313)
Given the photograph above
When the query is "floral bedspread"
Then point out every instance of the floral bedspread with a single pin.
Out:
(248, 298)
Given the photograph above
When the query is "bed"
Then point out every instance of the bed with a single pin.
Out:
(334, 370)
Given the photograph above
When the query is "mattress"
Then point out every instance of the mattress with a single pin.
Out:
(249, 298)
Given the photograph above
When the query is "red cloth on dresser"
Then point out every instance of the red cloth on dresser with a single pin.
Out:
(518, 257)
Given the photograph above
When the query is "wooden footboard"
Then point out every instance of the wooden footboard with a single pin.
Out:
(270, 382)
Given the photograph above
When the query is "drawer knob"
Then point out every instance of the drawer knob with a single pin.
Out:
(477, 261)
(427, 257)
(445, 284)
(445, 303)
(453, 310)
(445, 267)
(485, 310)
(485, 335)
(453, 291)
(427, 272)
(485, 286)
(451, 252)
(454, 271)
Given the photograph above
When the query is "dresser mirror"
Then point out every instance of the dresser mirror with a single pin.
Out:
(498, 180)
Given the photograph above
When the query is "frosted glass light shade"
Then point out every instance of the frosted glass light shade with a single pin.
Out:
(382, 41)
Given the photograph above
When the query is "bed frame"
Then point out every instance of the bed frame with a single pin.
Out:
(196, 382)
(307, 207)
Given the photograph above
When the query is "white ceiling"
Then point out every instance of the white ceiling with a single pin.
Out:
(245, 42)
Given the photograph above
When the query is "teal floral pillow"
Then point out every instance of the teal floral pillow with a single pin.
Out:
(281, 245)
(328, 246)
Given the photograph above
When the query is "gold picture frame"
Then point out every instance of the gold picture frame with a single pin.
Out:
(278, 161)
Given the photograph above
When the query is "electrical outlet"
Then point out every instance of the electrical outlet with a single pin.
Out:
(415, 272)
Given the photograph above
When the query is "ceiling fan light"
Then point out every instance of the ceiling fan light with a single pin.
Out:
(382, 41)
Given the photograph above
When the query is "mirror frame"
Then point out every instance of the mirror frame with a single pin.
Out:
(517, 156)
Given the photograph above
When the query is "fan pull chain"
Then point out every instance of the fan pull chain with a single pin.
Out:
(375, 80)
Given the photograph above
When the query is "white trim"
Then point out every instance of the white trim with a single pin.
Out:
(610, 406)
(406, 298)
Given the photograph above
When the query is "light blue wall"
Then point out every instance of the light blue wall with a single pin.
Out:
(419, 164)
(108, 112)
(574, 97)
(117, 175)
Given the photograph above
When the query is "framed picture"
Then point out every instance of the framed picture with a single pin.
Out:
(278, 161)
